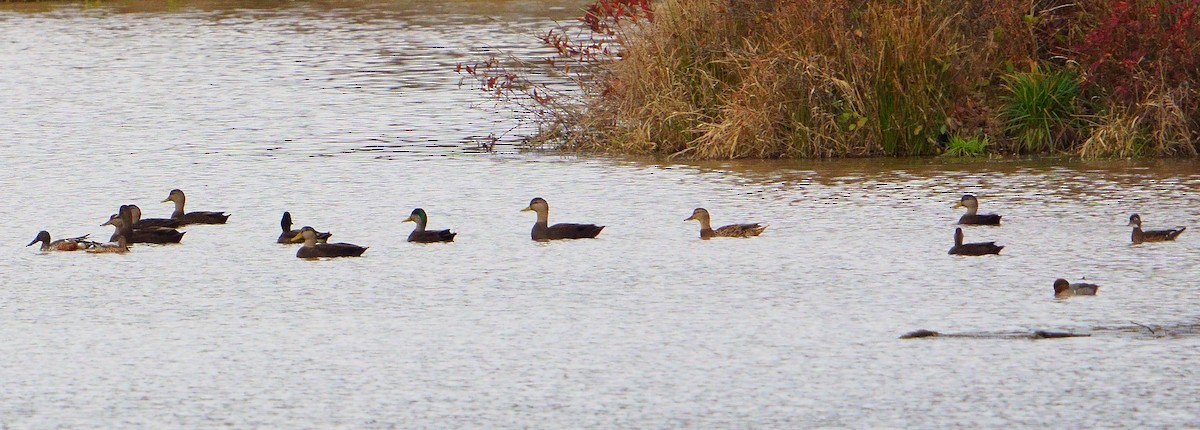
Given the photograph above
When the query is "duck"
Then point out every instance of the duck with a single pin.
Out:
(421, 235)
(971, 218)
(1140, 236)
(139, 223)
(980, 248)
(209, 217)
(124, 218)
(542, 231)
(71, 244)
(1062, 288)
(732, 230)
(287, 234)
(313, 249)
(120, 247)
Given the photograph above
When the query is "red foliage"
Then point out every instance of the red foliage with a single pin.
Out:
(1139, 45)
(604, 16)
(591, 44)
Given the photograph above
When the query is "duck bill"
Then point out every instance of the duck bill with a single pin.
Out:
(527, 209)
(34, 241)
(690, 218)
(409, 219)
(957, 205)
(298, 236)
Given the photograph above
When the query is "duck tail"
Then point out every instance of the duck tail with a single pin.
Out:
(1178, 232)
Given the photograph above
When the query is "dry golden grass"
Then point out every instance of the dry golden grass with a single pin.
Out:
(803, 78)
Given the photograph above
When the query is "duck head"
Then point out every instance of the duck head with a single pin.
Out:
(699, 214)
(1061, 285)
(418, 216)
(1135, 220)
(968, 201)
(538, 205)
(307, 233)
(176, 196)
(42, 236)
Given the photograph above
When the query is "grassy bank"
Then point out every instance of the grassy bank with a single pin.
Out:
(801, 78)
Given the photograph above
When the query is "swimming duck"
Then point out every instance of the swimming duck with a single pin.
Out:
(288, 234)
(421, 235)
(1062, 288)
(193, 217)
(124, 217)
(980, 248)
(120, 247)
(971, 218)
(1140, 236)
(543, 231)
(312, 249)
(72, 244)
(732, 230)
(138, 222)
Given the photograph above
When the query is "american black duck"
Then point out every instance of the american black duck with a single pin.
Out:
(971, 217)
(124, 218)
(139, 222)
(313, 249)
(543, 231)
(980, 248)
(199, 217)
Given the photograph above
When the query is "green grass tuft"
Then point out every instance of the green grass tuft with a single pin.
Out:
(1038, 108)
(966, 147)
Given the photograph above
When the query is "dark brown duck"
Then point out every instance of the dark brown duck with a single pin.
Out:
(313, 249)
(971, 217)
(979, 248)
(139, 222)
(543, 231)
(198, 217)
(1140, 235)
(124, 218)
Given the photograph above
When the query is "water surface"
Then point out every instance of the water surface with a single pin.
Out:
(349, 115)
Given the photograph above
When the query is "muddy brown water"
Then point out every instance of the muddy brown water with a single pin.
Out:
(349, 115)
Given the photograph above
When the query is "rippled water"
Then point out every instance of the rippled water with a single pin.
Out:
(349, 115)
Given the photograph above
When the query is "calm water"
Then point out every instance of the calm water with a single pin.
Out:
(349, 115)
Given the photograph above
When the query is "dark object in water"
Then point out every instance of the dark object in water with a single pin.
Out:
(1140, 236)
(919, 334)
(971, 218)
(1043, 334)
(312, 249)
(542, 231)
(978, 248)
(199, 217)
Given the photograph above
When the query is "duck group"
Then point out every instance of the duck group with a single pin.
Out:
(131, 228)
